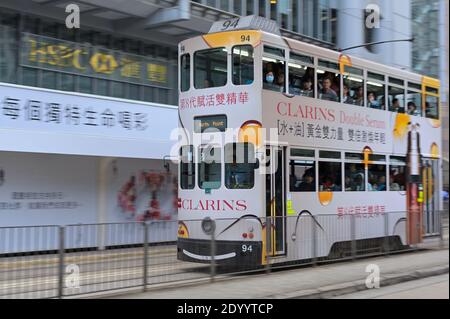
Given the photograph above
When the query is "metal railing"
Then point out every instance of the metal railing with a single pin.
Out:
(66, 261)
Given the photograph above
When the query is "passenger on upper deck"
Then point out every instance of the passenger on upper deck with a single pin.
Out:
(327, 93)
(359, 100)
(347, 98)
(307, 88)
(412, 109)
(280, 81)
(372, 101)
(396, 107)
(274, 77)
(294, 87)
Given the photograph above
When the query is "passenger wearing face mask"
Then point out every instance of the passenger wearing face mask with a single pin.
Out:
(269, 82)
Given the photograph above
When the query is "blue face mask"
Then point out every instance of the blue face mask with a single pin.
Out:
(269, 78)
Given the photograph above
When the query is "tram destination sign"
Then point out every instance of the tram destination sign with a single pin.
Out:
(76, 58)
(212, 122)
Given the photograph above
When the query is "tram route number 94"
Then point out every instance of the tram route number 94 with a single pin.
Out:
(230, 24)
(247, 248)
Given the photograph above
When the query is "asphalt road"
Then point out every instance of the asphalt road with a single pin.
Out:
(37, 276)
(428, 288)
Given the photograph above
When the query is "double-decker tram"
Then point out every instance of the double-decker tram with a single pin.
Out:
(287, 143)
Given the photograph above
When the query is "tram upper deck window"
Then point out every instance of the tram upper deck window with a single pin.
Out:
(432, 107)
(301, 75)
(185, 72)
(243, 72)
(240, 166)
(414, 103)
(328, 80)
(209, 167)
(376, 91)
(353, 90)
(432, 104)
(210, 68)
(187, 167)
(396, 97)
(274, 77)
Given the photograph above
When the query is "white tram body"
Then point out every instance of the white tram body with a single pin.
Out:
(294, 136)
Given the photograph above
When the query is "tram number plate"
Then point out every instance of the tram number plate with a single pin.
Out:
(247, 248)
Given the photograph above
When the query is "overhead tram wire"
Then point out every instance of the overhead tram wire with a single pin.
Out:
(375, 43)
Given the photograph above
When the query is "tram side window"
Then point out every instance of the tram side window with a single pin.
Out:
(185, 72)
(414, 103)
(396, 99)
(210, 68)
(243, 65)
(355, 179)
(274, 71)
(328, 85)
(274, 75)
(239, 166)
(330, 177)
(377, 177)
(302, 176)
(353, 90)
(432, 107)
(376, 91)
(209, 167)
(301, 76)
(187, 167)
(397, 174)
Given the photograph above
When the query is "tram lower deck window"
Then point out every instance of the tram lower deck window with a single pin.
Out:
(377, 178)
(330, 177)
(397, 174)
(187, 167)
(209, 167)
(302, 176)
(240, 163)
(354, 177)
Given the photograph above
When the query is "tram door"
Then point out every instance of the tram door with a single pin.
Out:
(275, 198)
(430, 169)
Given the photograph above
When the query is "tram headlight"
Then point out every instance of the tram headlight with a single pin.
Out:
(208, 226)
